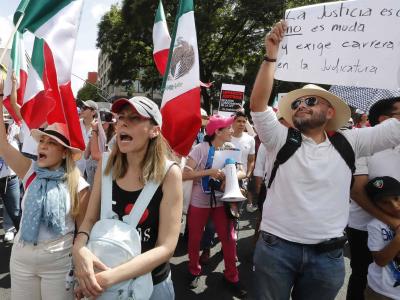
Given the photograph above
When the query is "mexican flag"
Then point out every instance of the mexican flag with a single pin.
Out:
(48, 96)
(19, 66)
(161, 40)
(180, 105)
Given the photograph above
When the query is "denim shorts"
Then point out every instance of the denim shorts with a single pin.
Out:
(163, 290)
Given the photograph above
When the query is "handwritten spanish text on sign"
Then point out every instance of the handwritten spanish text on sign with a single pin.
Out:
(231, 99)
(354, 43)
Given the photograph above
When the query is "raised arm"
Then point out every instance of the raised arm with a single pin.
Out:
(262, 88)
(13, 97)
(94, 142)
(19, 163)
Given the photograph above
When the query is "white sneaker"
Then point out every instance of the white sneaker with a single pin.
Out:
(9, 237)
(251, 208)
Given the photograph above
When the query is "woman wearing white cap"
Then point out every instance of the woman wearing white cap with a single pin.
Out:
(55, 200)
(138, 156)
(101, 140)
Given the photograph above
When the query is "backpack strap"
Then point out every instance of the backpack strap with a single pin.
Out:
(141, 203)
(106, 211)
(144, 199)
(293, 142)
(345, 150)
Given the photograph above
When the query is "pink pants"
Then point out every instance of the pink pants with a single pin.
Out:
(224, 227)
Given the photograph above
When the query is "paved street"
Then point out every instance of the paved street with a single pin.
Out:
(211, 286)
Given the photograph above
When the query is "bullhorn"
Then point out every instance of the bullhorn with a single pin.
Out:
(232, 190)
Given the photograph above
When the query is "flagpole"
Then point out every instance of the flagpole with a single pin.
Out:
(10, 38)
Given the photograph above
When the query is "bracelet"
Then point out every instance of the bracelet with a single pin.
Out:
(266, 58)
(84, 233)
(1, 95)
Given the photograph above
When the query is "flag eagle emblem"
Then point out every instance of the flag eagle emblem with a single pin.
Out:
(182, 60)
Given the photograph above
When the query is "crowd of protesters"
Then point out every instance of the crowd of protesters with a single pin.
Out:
(315, 178)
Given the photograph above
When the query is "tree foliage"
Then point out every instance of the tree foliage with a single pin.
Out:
(89, 92)
(230, 37)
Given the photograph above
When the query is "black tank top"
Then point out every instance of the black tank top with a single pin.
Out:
(148, 224)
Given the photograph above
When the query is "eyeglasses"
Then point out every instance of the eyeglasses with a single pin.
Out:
(309, 101)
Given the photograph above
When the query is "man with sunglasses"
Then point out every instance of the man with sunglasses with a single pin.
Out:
(88, 112)
(299, 253)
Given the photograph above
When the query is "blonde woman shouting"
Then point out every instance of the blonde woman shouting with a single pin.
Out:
(138, 157)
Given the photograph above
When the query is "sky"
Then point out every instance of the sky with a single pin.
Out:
(86, 53)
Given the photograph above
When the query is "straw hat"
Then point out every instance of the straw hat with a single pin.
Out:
(342, 111)
(58, 132)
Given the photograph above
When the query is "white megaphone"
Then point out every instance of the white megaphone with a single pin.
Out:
(232, 190)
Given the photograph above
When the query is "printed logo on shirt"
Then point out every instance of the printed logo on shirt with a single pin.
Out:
(144, 233)
(387, 234)
(394, 265)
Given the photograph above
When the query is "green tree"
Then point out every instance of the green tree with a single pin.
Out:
(89, 92)
(230, 37)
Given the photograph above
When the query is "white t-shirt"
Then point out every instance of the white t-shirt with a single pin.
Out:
(247, 146)
(382, 279)
(44, 233)
(262, 164)
(384, 163)
(308, 201)
(81, 164)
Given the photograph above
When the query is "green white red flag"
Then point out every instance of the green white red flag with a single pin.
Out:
(48, 96)
(180, 105)
(18, 65)
(161, 40)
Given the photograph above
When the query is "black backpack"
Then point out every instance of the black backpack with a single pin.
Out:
(293, 142)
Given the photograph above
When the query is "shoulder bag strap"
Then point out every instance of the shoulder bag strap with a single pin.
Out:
(205, 179)
(144, 199)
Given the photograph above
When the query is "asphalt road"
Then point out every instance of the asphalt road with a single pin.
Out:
(210, 287)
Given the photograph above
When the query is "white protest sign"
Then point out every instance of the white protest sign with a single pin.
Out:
(231, 98)
(354, 43)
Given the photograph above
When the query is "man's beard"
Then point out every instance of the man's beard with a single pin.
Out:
(316, 120)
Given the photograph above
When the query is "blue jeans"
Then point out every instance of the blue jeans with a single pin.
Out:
(284, 269)
(7, 222)
(164, 290)
(10, 193)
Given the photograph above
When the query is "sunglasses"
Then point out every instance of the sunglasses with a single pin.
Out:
(309, 101)
(86, 108)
